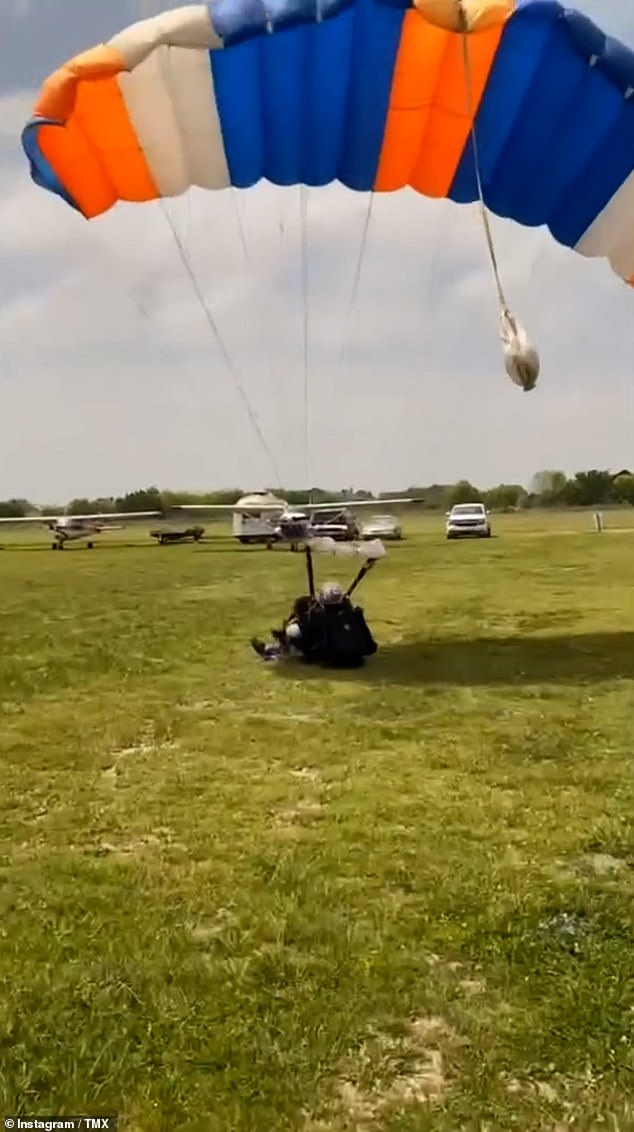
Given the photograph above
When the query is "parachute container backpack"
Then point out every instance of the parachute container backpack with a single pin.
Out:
(524, 108)
(521, 359)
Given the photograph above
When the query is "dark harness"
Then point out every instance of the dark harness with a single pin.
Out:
(336, 635)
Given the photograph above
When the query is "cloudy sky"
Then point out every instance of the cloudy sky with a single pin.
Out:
(111, 379)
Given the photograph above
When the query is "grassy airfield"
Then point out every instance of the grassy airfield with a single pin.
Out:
(243, 899)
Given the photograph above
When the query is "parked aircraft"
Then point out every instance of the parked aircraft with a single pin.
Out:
(260, 517)
(73, 528)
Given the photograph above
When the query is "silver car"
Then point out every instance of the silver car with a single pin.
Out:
(383, 527)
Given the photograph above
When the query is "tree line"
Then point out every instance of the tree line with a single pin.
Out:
(552, 489)
(548, 489)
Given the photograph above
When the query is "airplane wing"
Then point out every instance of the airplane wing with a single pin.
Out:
(83, 518)
(350, 504)
(117, 515)
(230, 507)
(31, 519)
(325, 506)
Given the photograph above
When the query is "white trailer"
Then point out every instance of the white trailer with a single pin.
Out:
(258, 517)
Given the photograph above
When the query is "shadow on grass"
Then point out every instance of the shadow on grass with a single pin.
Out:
(477, 661)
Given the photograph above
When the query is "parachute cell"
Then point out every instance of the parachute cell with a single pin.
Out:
(371, 93)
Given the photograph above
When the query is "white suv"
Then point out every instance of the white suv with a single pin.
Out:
(468, 520)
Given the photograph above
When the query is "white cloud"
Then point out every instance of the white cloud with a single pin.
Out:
(112, 379)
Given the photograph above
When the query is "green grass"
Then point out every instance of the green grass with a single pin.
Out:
(243, 899)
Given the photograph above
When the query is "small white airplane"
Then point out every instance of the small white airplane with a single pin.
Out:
(73, 528)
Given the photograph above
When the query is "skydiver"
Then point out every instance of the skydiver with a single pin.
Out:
(287, 639)
(328, 630)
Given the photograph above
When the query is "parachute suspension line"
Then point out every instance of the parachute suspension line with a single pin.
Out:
(213, 326)
(403, 416)
(240, 225)
(521, 358)
(354, 296)
(303, 206)
(250, 269)
(476, 162)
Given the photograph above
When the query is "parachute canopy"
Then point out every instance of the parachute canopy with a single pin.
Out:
(374, 94)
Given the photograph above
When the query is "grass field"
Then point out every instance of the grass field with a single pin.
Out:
(243, 899)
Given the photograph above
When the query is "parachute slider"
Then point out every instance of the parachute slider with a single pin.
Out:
(466, 16)
(326, 545)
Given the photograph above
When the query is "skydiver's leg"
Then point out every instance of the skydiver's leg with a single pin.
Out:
(288, 641)
(266, 651)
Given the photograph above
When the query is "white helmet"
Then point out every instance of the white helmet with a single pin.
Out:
(331, 593)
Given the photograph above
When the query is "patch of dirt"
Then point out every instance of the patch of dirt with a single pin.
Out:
(433, 1027)
(424, 1083)
(546, 1092)
(213, 927)
(283, 717)
(9, 707)
(303, 813)
(432, 959)
(138, 846)
(560, 1091)
(308, 774)
(601, 865)
(357, 1106)
(138, 749)
(307, 810)
(469, 982)
(38, 815)
(248, 711)
(110, 775)
(472, 986)
(126, 849)
(404, 1072)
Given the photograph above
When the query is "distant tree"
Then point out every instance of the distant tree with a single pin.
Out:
(90, 507)
(79, 507)
(462, 492)
(145, 500)
(354, 493)
(297, 497)
(198, 498)
(549, 486)
(589, 489)
(318, 494)
(623, 488)
(434, 496)
(50, 509)
(224, 497)
(103, 506)
(504, 497)
(14, 508)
